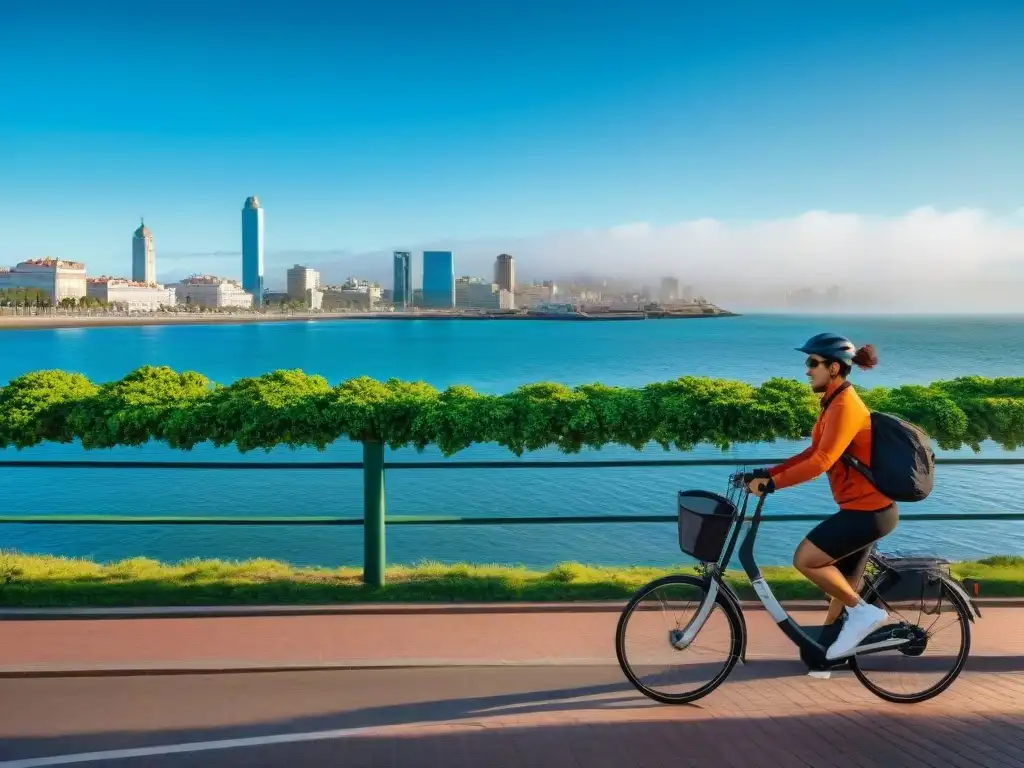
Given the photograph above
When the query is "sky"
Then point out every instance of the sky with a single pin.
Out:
(745, 145)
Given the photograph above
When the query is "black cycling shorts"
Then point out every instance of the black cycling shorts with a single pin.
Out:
(848, 536)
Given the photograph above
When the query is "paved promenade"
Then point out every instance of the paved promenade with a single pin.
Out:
(477, 688)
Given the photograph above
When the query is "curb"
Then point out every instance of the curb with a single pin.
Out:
(382, 609)
(354, 609)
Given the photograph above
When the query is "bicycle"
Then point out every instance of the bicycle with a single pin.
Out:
(707, 521)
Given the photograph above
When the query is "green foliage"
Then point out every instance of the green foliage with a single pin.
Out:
(295, 409)
(24, 297)
(40, 406)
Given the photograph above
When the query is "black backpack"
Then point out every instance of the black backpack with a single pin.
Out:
(902, 460)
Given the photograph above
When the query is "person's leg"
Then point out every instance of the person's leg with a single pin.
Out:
(836, 605)
(845, 534)
(852, 567)
(819, 567)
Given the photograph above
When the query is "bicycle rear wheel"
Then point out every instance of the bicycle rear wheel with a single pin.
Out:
(940, 632)
(644, 643)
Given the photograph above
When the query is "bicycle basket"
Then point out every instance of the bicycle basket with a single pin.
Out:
(704, 523)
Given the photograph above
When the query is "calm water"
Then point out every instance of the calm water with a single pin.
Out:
(491, 357)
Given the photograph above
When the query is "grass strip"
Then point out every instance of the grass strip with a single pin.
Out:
(48, 581)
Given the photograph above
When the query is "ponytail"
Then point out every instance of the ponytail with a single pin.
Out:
(866, 357)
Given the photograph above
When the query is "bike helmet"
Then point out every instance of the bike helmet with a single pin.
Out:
(831, 346)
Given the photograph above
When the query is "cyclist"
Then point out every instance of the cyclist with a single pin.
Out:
(835, 553)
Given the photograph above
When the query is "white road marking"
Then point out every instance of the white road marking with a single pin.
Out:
(196, 746)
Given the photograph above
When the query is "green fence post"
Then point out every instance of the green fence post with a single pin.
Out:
(374, 557)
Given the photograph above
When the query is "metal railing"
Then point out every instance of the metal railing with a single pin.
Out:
(375, 518)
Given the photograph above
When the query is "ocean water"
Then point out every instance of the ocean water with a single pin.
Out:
(492, 357)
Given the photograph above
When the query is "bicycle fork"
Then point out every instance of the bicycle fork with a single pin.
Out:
(680, 638)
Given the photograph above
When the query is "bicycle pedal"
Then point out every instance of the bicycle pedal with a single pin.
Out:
(820, 674)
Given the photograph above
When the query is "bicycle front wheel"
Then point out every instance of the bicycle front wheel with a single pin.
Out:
(647, 641)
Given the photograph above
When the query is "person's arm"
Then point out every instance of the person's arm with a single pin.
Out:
(792, 461)
(840, 426)
(766, 474)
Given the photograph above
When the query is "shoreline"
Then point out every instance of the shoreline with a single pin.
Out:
(50, 322)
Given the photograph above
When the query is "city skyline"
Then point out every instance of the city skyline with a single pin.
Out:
(700, 145)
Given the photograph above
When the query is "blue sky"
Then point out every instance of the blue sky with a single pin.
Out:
(368, 126)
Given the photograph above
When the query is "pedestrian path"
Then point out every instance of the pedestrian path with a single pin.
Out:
(458, 689)
(489, 635)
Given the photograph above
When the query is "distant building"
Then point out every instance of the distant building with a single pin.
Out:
(336, 298)
(535, 295)
(478, 293)
(252, 249)
(354, 295)
(505, 272)
(302, 280)
(213, 293)
(143, 255)
(669, 289)
(274, 297)
(438, 280)
(688, 294)
(136, 296)
(401, 293)
(373, 290)
(57, 278)
(801, 298)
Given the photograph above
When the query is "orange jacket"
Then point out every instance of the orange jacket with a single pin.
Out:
(844, 426)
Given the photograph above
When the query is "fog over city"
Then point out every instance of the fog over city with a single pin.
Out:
(924, 261)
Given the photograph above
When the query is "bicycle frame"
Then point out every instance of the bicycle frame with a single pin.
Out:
(805, 638)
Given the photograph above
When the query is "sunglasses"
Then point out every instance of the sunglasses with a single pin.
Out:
(812, 363)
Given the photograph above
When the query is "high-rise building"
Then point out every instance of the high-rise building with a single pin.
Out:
(252, 249)
(438, 279)
(505, 272)
(143, 256)
(301, 280)
(669, 289)
(402, 286)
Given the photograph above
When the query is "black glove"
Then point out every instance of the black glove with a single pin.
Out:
(757, 474)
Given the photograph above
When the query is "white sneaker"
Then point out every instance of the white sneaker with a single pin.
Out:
(860, 622)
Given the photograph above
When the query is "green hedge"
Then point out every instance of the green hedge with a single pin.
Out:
(296, 409)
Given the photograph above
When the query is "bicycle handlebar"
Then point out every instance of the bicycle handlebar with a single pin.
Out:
(741, 479)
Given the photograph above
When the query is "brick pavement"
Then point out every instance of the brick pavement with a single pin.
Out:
(567, 706)
(367, 639)
(582, 716)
